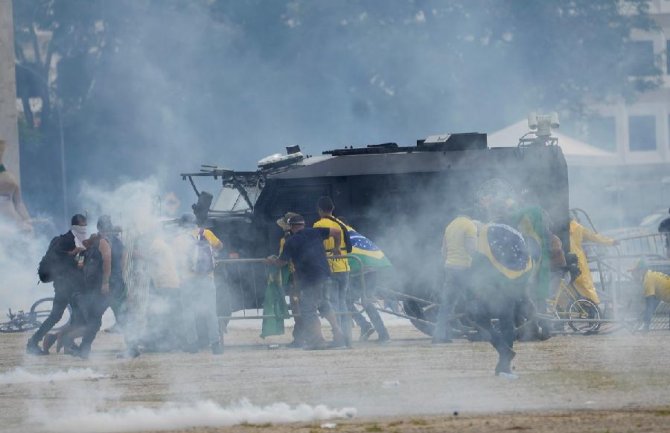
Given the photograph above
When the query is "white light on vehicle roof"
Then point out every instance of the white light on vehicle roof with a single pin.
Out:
(270, 159)
(278, 157)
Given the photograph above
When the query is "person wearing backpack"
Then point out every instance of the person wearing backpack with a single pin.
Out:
(118, 291)
(94, 299)
(60, 265)
(339, 267)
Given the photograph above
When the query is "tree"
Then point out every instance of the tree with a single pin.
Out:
(149, 86)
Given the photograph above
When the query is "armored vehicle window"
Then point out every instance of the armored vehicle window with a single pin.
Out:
(230, 199)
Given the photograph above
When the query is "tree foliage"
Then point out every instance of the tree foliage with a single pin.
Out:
(171, 82)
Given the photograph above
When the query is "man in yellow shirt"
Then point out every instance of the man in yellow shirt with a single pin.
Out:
(656, 287)
(458, 244)
(198, 244)
(339, 267)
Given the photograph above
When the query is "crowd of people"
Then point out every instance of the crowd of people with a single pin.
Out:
(499, 270)
(320, 281)
(89, 276)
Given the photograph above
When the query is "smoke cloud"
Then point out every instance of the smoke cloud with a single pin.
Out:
(20, 253)
(20, 375)
(199, 414)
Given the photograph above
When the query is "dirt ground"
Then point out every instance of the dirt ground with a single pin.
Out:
(617, 382)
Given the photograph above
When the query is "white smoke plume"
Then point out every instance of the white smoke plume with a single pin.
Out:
(200, 414)
(20, 375)
(20, 253)
(133, 205)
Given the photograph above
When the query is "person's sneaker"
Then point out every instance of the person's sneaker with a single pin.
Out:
(384, 338)
(217, 349)
(33, 349)
(505, 362)
(366, 333)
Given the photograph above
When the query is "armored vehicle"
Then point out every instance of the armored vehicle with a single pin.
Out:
(400, 197)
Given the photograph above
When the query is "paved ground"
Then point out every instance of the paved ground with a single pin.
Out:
(614, 382)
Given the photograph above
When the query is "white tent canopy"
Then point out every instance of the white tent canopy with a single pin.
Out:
(575, 151)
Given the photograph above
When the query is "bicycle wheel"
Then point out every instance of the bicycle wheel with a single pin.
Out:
(41, 309)
(584, 309)
(17, 324)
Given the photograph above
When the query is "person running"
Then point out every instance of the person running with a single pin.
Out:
(67, 277)
(304, 248)
(500, 272)
(94, 301)
(118, 292)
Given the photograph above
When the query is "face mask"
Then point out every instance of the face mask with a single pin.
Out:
(81, 232)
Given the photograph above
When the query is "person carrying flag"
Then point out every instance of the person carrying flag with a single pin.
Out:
(500, 272)
(368, 261)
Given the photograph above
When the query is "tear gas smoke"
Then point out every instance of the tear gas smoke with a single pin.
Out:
(199, 414)
(134, 206)
(20, 252)
(20, 375)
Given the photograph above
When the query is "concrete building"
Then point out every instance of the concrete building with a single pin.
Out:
(638, 133)
(8, 113)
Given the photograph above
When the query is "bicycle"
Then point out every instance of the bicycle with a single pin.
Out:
(582, 315)
(25, 321)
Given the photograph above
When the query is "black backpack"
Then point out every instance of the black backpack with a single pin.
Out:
(346, 238)
(49, 263)
(92, 269)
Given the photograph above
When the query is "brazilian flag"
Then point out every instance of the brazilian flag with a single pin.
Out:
(503, 264)
(531, 224)
(369, 253)
(505, 249)
(274, 304)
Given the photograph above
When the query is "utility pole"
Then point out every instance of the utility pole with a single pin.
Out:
(8, 113)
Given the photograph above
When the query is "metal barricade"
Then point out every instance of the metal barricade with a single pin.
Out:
(623, 295)
(241, 285)
(251, 277)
